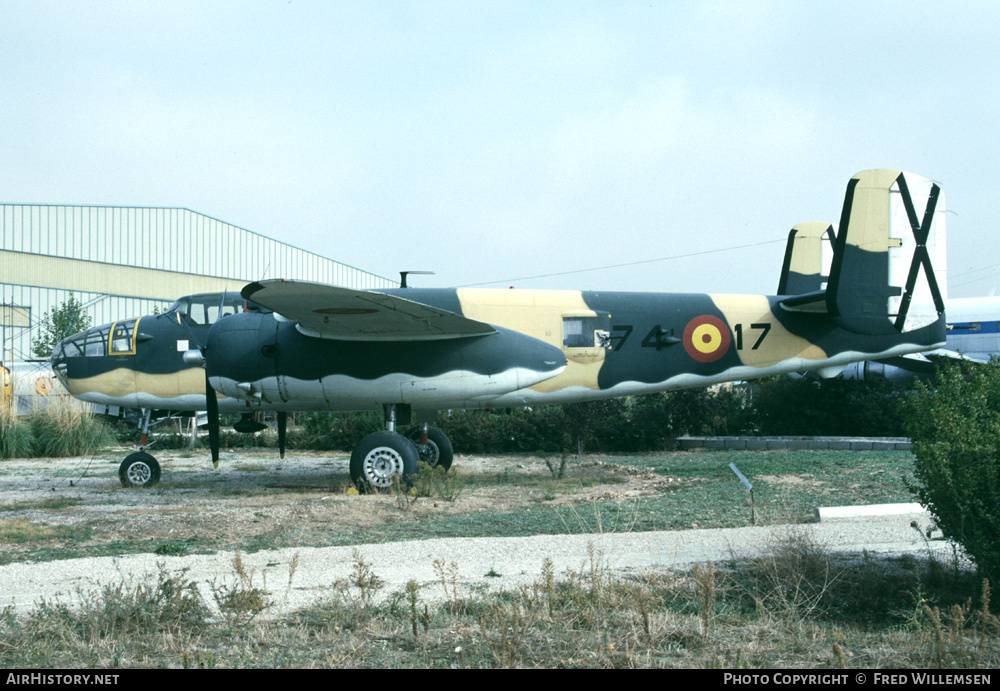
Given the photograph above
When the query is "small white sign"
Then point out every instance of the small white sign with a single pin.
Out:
(182, 346)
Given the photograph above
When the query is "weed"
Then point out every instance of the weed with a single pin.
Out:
(412, 598)
(657, 621)
(789, 582)
(704, 579)
(436, 481)
(170, 604)
(504, 629)
(403, 496)
(448, 578)
(549, 574)
(171, 548)
(241, 601)
(365, 580)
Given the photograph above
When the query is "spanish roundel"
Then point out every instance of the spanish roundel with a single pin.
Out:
(706, 338)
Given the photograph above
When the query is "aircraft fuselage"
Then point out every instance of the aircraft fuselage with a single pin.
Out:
(550, 347)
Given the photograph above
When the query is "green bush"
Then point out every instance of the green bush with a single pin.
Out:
(325, 431)
(955, 427)
(505, 431)
(828, 407)
(657, 420)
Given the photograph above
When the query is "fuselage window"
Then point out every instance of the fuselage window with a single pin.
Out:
(586, 332)
(573, 333)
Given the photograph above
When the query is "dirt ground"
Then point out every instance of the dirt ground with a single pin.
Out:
(253, 498)
(68, 526)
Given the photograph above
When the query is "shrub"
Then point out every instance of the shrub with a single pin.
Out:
(658, 419)
(955, 427)
(341, 431)
(804, 406)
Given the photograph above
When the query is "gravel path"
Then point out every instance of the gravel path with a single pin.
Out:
(510, 561)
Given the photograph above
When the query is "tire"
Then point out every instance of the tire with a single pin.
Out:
(380, 456)
(139, 470)
(438, 452)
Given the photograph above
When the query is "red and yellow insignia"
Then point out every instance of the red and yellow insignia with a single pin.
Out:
(706, 338)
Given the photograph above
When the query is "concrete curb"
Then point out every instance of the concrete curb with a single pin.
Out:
(796, 443)
(826, 513)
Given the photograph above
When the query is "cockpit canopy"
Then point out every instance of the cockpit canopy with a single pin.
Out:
(197, 312)
(208, 308)
(90, 343)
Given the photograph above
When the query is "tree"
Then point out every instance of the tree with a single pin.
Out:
(955, 427)
(62, 322)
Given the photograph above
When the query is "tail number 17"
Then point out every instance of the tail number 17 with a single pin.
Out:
(763, 328)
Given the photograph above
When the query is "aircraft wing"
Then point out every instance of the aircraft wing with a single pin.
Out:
(343, 314)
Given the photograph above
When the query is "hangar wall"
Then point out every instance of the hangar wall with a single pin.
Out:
(125, 261)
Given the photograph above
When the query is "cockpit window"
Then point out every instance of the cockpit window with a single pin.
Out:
(91, 343)
(205, 310)
(123, 337)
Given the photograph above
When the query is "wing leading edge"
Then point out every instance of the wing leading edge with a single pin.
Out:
(343, 314)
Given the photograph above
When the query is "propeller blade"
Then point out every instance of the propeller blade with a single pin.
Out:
(213, 420)
(282, 424)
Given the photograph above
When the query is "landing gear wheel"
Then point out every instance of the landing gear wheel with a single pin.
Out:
(139, 470)
(378, 457)
(438, 452)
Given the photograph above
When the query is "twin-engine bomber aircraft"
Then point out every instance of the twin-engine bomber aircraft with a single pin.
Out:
(295, 346)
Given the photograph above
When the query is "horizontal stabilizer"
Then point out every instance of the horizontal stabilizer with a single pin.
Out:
(942, 355)
(807, 302)
(343, 314)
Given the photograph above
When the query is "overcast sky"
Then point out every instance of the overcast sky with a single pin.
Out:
(496, 141)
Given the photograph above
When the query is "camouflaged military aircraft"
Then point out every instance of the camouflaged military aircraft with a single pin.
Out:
(296, 346)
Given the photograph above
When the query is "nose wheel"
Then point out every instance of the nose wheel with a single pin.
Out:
(139, 470)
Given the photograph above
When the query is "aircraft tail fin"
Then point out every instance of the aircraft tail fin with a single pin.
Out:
(807, 259)
(888, 269)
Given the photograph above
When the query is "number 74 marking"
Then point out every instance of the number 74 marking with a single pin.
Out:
(738, 328)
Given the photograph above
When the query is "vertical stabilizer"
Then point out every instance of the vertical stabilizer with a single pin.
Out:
(808, 256)
(889, 244)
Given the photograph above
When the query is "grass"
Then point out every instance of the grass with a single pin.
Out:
(63, 427)
(795, 607)
(46, 504)
(696, 490)
(24, 531)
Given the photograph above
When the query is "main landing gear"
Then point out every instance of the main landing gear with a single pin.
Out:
(374, 461)
(381, 455)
